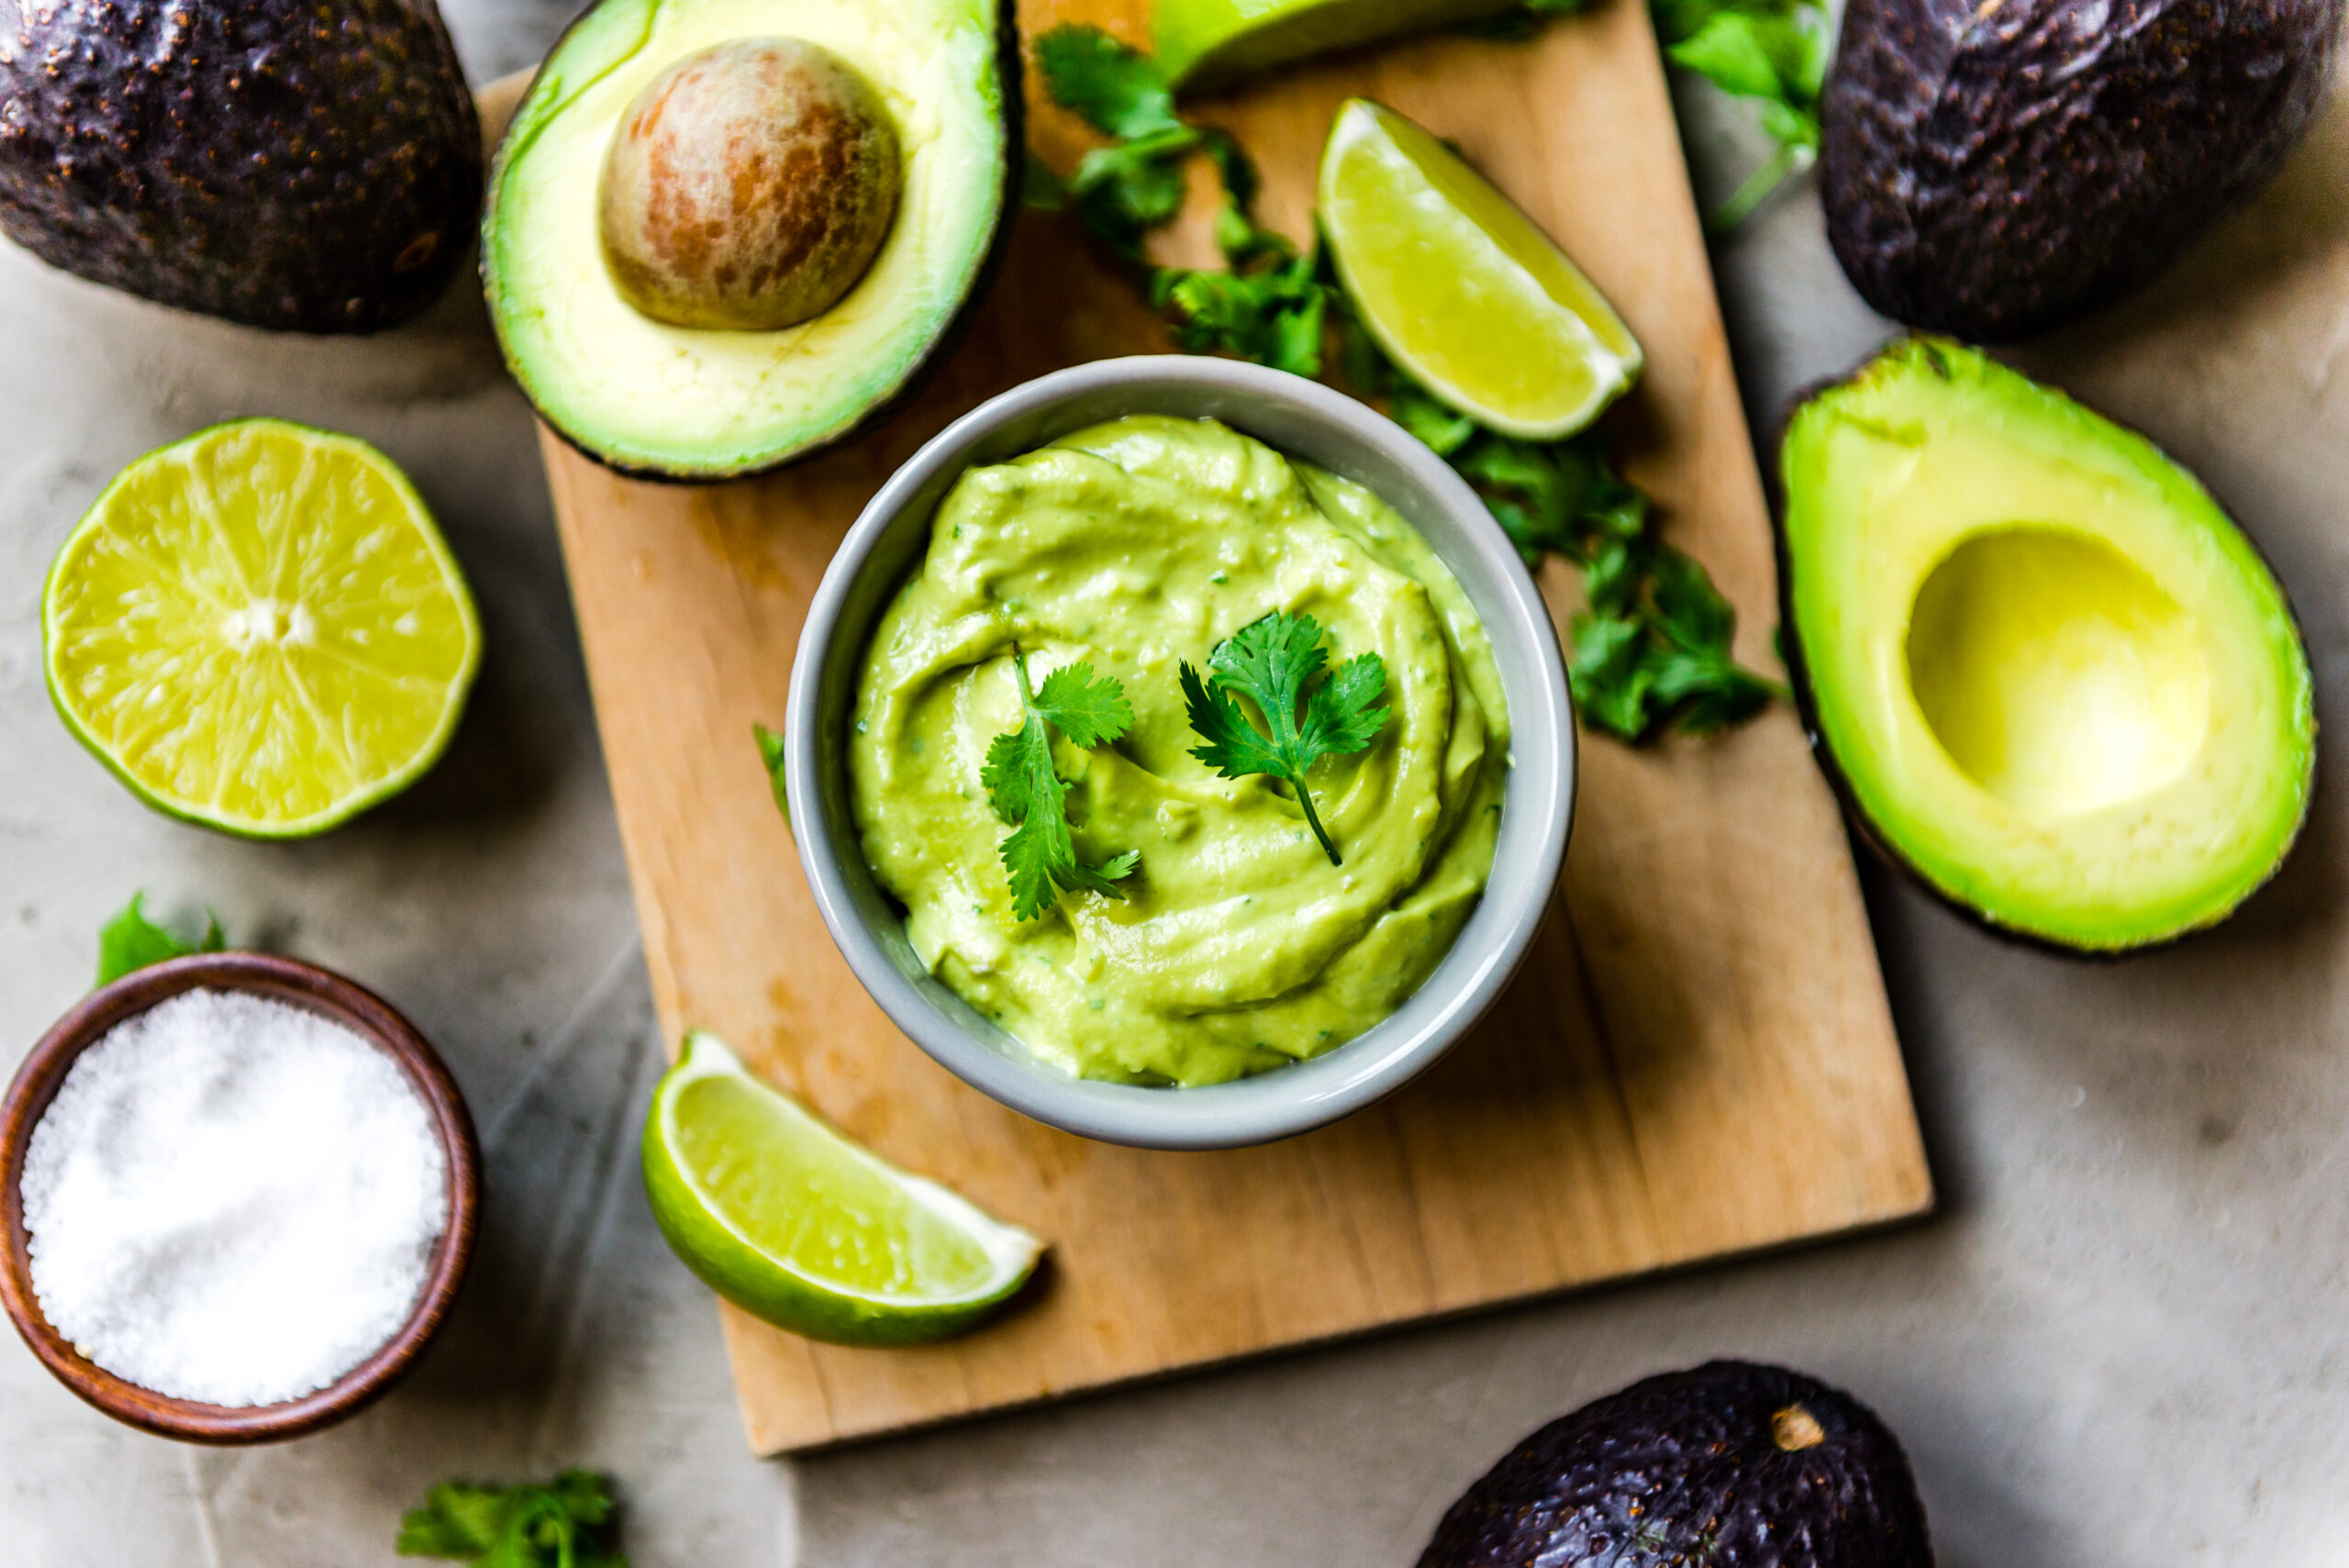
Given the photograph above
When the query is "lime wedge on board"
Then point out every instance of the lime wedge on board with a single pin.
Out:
(258, 629)
(1460, 287)
(1202, 42)
(794, 1223)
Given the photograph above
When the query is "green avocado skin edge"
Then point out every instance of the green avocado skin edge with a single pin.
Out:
(2077, 896)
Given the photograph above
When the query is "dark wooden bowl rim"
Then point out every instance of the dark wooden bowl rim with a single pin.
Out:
(303, 986)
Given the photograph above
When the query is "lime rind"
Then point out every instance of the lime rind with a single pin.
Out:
(1208, 43)
(454, 687)
(731, 1261)
(1518, 266)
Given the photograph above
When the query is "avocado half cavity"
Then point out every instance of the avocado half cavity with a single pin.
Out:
(724, 234)
(2052, 677)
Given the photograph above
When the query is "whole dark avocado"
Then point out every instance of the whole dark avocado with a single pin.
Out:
(1992, 168)
(1731, 1465)
(283, 164)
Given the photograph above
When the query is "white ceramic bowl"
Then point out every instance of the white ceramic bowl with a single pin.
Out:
(1323, 426)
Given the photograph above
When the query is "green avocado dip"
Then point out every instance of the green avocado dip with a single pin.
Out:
(1136, 546)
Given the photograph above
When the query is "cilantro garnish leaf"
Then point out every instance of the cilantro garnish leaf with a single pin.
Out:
(1087, 711)
(567, 1523)
(1026, 789)
(132, 941)
(1271, 662)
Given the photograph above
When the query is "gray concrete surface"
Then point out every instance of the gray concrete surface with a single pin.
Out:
(2120, 1344)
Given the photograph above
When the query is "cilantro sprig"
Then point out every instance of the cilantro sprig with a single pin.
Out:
(1773, 51)
(1268, 303)
(1652, 651)
(1272, 663)
(131, 941)
(1026, 789)
(569, 1522)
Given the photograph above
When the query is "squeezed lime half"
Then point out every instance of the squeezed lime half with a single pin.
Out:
(792, 1222)
(259, 629)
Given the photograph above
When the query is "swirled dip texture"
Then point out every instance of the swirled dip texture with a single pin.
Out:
(1136, 546)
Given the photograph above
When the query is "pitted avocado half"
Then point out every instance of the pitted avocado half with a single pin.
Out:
(2055, 680)
(723, 234)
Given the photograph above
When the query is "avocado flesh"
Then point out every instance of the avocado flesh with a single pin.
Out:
(690, 403)
(2054, 679)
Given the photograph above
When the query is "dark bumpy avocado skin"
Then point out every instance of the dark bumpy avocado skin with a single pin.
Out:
(1685, 1468)
(312, 167)
(1992, 170)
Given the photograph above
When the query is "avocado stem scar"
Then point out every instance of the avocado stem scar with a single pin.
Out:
(1795, 1429)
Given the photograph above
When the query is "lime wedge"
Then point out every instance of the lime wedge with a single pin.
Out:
(792, 1222)
(260, 630)
(1203, 43)
(1460, 287)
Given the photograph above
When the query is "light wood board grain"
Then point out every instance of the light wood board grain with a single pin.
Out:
(1697, 1060)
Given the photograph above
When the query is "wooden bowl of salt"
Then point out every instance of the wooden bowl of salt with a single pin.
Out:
(243, 1301)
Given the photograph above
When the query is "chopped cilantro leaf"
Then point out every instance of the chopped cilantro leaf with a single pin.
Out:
(131, 941)
(1118, 91)
(1026, 791)
(567, 1523)
(1773, 52)
(1271, 662)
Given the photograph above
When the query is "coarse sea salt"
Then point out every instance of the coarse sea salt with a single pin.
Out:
(232, 1200)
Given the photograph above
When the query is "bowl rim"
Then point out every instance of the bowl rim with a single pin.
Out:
(1287, 1100)
(300, 984)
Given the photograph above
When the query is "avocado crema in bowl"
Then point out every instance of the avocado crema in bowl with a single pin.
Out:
(1220, 975)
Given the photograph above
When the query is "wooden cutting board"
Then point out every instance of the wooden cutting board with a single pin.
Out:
(1697, 1060)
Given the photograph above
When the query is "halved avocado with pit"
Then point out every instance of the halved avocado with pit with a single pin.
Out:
(2054, 679)
(724, 234)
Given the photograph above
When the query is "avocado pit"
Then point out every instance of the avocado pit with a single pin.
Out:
(749, 186)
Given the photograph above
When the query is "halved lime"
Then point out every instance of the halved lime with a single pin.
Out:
(1460, 287)
(792, 1222)
(258, 629)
